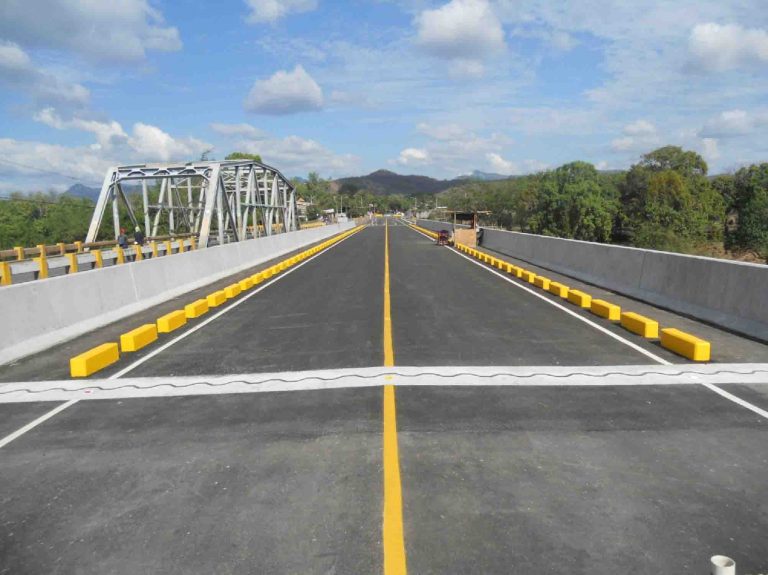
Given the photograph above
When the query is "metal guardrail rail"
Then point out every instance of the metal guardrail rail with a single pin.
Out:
(24, 264)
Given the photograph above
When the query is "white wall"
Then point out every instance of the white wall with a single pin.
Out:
(37, 315)
(730, 294)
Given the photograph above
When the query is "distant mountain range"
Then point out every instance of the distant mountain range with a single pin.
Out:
(383, 182)
(380, 182)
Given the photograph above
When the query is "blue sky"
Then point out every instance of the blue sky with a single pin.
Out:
(346, 87)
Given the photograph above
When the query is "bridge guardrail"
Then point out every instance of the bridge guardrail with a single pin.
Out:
(724, 293)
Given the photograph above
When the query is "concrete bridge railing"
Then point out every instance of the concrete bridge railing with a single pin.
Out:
(39, 314)
(733, 295)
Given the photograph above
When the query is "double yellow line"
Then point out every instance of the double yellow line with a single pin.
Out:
(393, 538)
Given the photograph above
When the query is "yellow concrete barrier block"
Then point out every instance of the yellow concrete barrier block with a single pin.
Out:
(501, 264)
(216, 298)
(559, 289)
(639, 324)
(93, 360)
(171, 321)
(246, 284)
(196, 308)
(232, 291)
(282, 265)
(140, 337)
(510, 269)
(6, 278)
(529, 277)
(542, 282)
(604, 309)
(257, 278)
(580, 298)
(268, 273)
(685, 344)
(518, 272)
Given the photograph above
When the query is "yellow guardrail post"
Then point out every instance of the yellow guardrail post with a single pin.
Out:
(72, 263)
(153, 245)
(192, 243)
(119, 255)
(168, 248)
(139, 254)
(43, 262)
(5, 274)
(62, 248)
(19, 252)
(99, 259)
(181, 246)
(79, 247)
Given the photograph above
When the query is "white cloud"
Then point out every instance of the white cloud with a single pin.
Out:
(509, 168)
(464, 31)
(719, 47)
(413, 157)
(709, 149)
(122, 30)
(285, 93)
(294, 155)
(146, 143)
(244, 130)
(638, 136)
(273, 10)
(732, 123)
(18, 71)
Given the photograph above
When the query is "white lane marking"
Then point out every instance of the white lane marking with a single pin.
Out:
(446, 376)
(735, 399)
(589, 322)
(711, 387)
(230, 307)
(19, 432)
(31, 425)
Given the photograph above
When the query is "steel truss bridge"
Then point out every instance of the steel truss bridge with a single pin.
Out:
(220, 202)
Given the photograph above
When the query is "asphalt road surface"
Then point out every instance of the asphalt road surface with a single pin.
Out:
(254, 444)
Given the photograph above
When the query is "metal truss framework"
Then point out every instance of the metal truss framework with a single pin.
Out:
(231, 200)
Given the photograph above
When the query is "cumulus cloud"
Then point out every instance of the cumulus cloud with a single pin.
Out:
(733, 123)
(509, 168)
(638, 136)
(719, 47)
(76, 162)
(285, 93)
(709, 149)
(413, 157)
(295, 155)
(464, 31)
(104, 31)
(273, 10)
(146, 143)
(18, 71)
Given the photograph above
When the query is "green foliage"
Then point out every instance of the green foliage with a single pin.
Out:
(29, 220)
(750, 200)
(243, 156)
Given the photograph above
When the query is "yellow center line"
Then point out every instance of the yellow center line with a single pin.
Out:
(393, 537)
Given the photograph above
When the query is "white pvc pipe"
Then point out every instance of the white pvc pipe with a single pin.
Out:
(722, 565)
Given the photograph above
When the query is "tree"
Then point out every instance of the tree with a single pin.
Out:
(243, 156)
(750, 200)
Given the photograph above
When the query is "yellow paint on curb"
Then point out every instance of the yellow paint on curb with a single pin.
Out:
(232, 291)
(138, 338)
(196, 308)
(559, 289)
(685, 344)
(245, 284)
(171, 321)
(542, 282)
(604, 309)
(580, 298)
(216, 298)
(639, 324)
(93, 360)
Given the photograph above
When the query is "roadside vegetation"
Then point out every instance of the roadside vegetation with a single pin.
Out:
(667, 201)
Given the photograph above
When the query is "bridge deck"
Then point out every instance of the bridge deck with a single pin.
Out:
(501, 473)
